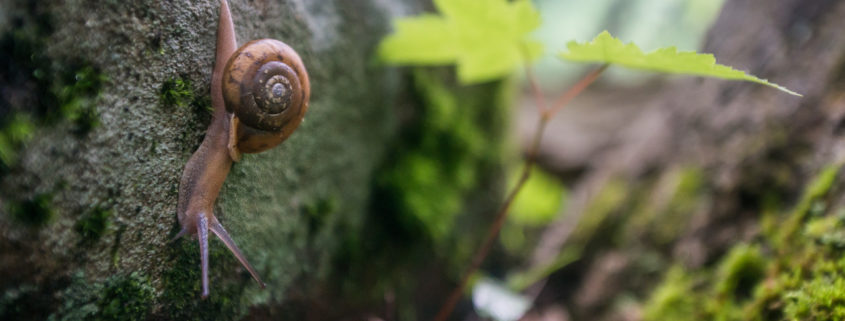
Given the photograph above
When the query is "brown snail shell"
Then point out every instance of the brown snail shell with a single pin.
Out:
(265, 86)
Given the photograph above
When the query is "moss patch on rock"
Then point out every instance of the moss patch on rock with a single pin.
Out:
(183, 284)
(93, 224)
(34, 212)
(795, 273)
(120, 297)
(176, 92)
(40, 90)
(125, 298)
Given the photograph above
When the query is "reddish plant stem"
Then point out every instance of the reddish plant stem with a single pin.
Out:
(502, 214)
(576, 89)
(535, 89)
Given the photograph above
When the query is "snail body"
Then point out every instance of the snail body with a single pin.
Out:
(259, 96)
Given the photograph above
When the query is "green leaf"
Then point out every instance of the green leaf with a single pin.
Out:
(609, 50)
(540, 199)
(486, 39)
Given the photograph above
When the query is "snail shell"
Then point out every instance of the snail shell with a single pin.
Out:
(265, 86)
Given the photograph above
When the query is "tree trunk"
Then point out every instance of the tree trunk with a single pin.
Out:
(704, 204)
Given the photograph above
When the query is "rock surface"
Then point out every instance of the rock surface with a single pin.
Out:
(108, 195)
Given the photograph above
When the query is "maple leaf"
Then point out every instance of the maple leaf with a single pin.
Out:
(486, 39)
(609, 50)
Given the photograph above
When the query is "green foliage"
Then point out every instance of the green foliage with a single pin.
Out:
(447, 148)
(489, 39)
(536, 205)
(539, 201)
(485, 39)
(606, 49)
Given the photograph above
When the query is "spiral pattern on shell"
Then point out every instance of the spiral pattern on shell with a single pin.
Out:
(265, 85)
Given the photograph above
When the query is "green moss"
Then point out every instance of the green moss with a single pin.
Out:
(739, 272)
(177, 92)
(814, 192)
(14, 134)
(318, 211)
(822, 298)
(66, 90)
(182, 284)
(93, 224)
(34, 212)
(77, 94)
(125, 298)
(827, 230)
(797, 273)
(78, 299)
(38, 89)
(120, 297)
(673, 299)
(722, 294)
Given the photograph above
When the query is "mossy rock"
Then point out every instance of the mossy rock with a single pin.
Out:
(89, 176)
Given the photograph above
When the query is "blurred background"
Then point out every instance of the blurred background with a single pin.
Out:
(654, 198)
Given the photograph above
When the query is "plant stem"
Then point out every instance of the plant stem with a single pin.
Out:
(576, 89)
(499, 221)
(535, 89)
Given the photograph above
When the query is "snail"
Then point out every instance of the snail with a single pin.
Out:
(259, 95)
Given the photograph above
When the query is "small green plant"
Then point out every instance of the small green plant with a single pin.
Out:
(177, 92)
(488, 40)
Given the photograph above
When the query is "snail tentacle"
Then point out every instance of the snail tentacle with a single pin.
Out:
(202, 231)
(221, 233)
